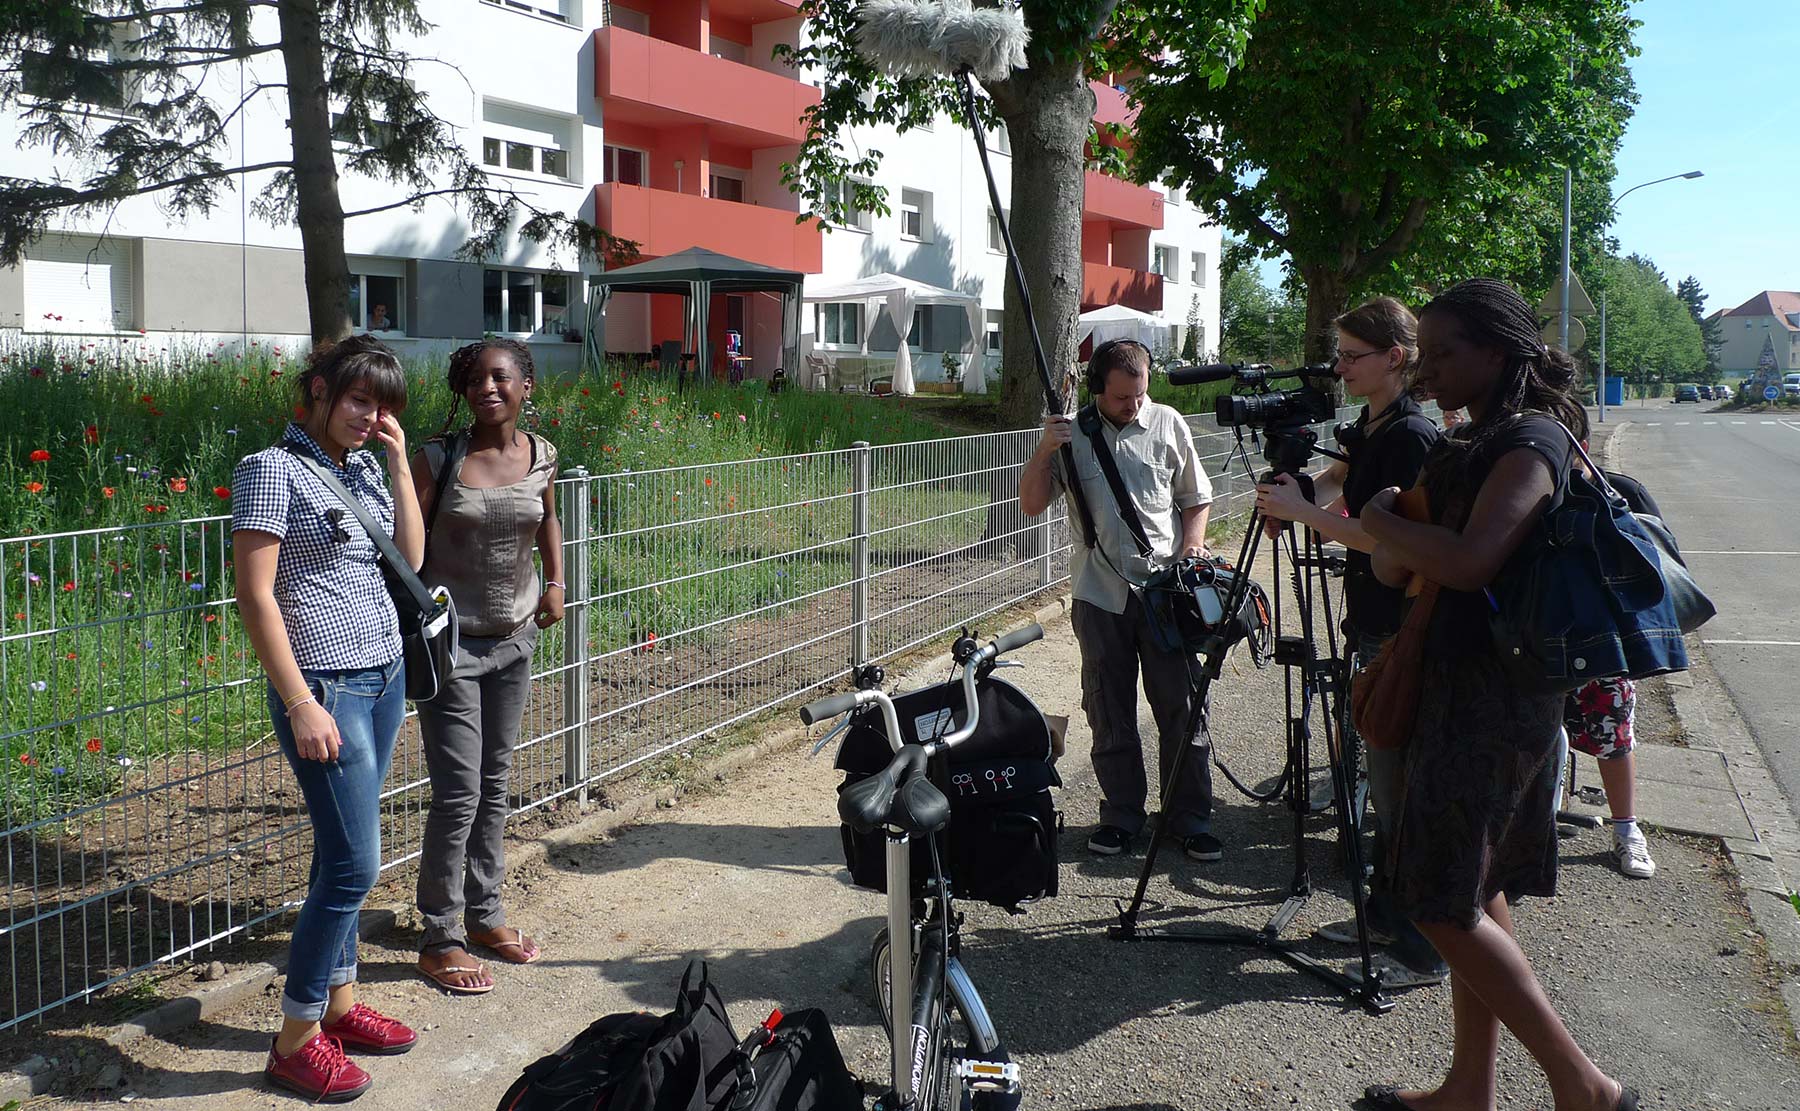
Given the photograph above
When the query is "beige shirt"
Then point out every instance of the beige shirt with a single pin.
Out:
(482, 541)
(1162, 473)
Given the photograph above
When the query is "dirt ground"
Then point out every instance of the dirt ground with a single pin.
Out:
(1663, 981)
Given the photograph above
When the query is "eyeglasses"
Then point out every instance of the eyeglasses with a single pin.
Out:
(335, 518)
(1348, 359)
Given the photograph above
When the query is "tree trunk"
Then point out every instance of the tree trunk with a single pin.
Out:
(320, 214)
(1046, 108)
(1327, 296)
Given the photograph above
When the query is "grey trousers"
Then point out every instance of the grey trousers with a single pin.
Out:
(469, 730)
(1113, 647)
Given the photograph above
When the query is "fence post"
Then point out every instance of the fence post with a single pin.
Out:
(577, 540)
(859, 531)
(1043, 546)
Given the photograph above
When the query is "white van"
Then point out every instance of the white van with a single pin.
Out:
(1791, 385)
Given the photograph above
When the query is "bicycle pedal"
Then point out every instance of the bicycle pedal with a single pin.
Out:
(988, 1076)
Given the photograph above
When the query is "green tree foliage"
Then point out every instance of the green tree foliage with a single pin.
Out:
(1694, 297)
(1256, 324)
(143, 98)
(1651, 336)
(1047, 109)
(1393, 147)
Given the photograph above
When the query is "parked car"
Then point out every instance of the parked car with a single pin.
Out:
(1705, 392)
(1791, 385)
(1686, 393)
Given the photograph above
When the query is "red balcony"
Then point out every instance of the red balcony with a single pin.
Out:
(647, 81)
(1109, 198)
(1116, 285)
(1110, 105)
(663, 222)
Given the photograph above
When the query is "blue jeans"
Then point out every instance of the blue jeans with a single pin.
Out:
(343, 799)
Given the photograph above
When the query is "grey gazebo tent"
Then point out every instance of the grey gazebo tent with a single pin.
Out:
(697, 274)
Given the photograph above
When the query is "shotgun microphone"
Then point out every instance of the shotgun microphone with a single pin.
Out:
(1205, 372)
(921, 38)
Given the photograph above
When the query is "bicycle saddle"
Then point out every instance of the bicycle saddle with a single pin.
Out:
(898, 795)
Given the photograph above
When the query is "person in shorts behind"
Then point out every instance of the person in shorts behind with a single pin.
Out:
(498, 506)
(1377, 353)
(320, 618)
(1476, 824)
(1172, 497)
(1600, 718)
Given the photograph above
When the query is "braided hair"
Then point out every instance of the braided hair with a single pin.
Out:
(1536, 379)
(462, 369)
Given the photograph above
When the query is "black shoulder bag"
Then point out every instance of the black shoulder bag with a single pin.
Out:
(428, 631)
(1184, 603)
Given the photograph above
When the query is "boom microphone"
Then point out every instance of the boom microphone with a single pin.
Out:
(920, 38)
(1205, 372)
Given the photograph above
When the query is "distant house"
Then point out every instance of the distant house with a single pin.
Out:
(1770, 319)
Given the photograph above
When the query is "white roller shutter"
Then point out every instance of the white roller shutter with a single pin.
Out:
(70, 286)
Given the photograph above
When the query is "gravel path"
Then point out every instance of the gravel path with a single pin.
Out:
(1662, 980)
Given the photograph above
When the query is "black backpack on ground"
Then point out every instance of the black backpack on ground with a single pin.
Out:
(689, 1060)
(1000, 846)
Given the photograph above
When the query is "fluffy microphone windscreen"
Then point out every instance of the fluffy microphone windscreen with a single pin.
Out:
(918, 38)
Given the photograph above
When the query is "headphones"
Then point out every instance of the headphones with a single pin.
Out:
(1102, 363)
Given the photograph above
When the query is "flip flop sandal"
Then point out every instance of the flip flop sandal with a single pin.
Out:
(1385, 1097)
(527, 950)
(442, 979)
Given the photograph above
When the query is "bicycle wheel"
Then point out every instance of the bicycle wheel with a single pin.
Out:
(939, 1088)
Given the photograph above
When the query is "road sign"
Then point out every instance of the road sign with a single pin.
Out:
(1577, 333)
(1580, 304)
(1771, 393)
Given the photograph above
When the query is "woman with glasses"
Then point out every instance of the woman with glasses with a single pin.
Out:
(319, 616)
(1387, 446)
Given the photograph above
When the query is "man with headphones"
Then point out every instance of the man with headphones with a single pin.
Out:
(1168, 491)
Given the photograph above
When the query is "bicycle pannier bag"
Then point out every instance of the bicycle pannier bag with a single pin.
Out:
(800, 1069)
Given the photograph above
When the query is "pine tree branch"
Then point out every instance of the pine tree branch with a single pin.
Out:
(459, 190)
(55, 199)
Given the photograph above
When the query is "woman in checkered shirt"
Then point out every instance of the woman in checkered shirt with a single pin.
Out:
(323, 625)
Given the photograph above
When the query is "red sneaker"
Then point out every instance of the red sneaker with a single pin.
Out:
(363, 1029)
(319, 1071)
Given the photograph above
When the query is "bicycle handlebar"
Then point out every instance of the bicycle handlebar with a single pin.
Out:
(828, 707)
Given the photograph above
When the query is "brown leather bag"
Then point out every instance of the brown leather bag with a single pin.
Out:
(1384, 696)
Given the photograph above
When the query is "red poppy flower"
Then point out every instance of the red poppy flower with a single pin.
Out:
(107, 491)
(299, 412)
(34, 487)
(40, 456)
(211, 617)
(585, 392)
(67, 587)
(179, 485)
(27, 759)
(91, 433)
(93, 744)
(145, 398)
(222, 491)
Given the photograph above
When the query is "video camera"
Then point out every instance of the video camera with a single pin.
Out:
(1285, 414)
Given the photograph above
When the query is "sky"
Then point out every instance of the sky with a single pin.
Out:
(1716, 90)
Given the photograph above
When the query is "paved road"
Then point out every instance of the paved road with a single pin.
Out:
(1730, 485)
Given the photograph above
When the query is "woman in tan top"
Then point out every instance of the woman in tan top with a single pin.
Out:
(487, 494)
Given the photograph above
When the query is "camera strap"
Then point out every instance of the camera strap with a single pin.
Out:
(1088, 420)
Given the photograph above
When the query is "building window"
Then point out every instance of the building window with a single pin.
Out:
(992, 327)
(549, 9)
(856, 219)
(78, 285)
(620, 16)
(923, 333)
(1199, 274)
(526, 303)
(838, 324)
(373, 134)
(727, 186)
(998, 139)
(915, 215)
(520, 140)
(1164, 263)
(376, 304)
(996, 242)
(93, 80)
(626, 166)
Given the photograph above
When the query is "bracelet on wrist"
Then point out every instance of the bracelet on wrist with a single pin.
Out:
(293, 700)
(548, 583)
(299, 702)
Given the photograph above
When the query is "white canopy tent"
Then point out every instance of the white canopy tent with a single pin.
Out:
(900, 296)
(1122, 322)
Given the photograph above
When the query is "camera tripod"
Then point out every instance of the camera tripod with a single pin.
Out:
(1320, 682)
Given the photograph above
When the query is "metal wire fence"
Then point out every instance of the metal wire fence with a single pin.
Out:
(149, 815)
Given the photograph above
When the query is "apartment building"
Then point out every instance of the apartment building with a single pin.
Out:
(1768, 322)
(664, 121)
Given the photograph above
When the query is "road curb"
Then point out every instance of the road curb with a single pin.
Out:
(37, 1076)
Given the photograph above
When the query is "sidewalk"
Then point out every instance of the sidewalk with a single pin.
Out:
(1662, 981)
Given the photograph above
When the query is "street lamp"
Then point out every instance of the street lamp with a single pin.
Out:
(1600, 392)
